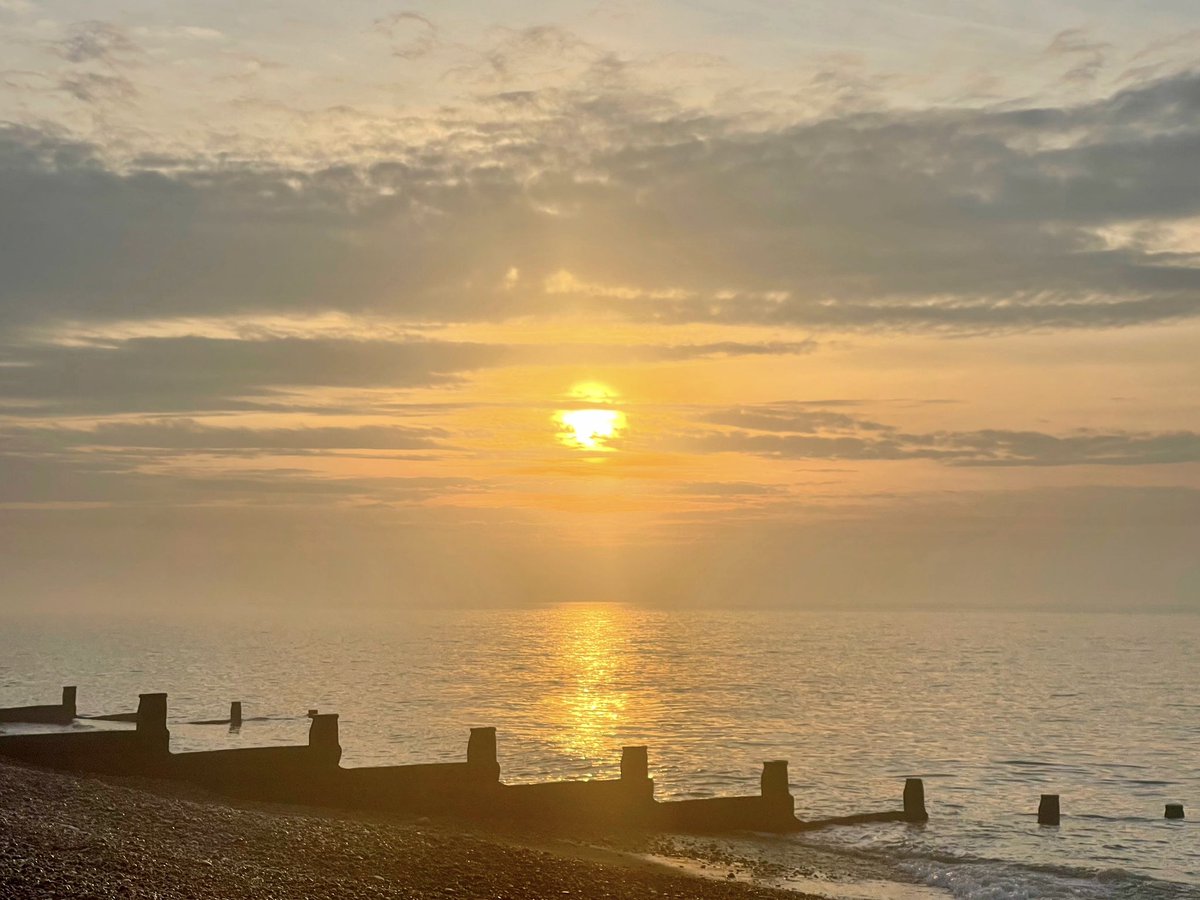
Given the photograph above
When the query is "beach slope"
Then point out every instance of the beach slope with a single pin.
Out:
(69, 836)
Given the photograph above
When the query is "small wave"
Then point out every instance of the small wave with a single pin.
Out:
(1006, 881)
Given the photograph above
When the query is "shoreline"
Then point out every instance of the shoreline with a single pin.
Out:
(68, 835)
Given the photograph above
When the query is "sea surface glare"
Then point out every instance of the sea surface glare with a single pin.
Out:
(991, 709)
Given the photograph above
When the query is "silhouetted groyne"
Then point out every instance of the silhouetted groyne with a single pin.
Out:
(312, 774)
(53, 714)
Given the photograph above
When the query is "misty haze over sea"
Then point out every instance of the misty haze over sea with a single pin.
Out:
(991, 709)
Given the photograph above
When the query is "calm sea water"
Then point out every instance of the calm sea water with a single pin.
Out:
(991, 709)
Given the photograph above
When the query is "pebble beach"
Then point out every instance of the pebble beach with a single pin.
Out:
(78, 836)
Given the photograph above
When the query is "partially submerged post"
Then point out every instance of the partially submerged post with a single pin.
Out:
(1048, 811)
(323, 737)
(481, 754)
(235, 713)
(1174, 811)
(914, 800)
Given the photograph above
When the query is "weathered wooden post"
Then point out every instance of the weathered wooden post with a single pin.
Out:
(914, 800)
(774, 781)
(1174, 811)
(773, 786)
(481, 754)
(1048, 811)
(68, 702)
(323, 737)
(235, 713)
(152, 723)
(635, 772)
(635, 763)
(311, 713)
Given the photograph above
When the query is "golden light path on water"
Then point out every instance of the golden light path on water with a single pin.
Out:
(590, 652)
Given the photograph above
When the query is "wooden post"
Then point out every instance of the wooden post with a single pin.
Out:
(152, 723)
(323, 736)
(1048, 811)
(914, 800)
(481, 753)
(774, 780)
(68, 701)
(235, 713)
(773, 788)
(1174, 811)
(635, 764)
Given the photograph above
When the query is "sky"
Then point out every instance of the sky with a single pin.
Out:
(717, 303)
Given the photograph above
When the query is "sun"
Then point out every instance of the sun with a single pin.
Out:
(591, 427)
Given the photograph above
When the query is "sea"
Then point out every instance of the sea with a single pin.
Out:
(991, 709)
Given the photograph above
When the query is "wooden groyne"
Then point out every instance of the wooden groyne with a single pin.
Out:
(312, 774)
(52, 714)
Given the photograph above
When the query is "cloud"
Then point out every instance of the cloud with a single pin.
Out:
(786, 431)
(187, 434)
(188, 374)
(951, 220)
(96, 41)
(1086, 57)
(96, 87)
(411, 34)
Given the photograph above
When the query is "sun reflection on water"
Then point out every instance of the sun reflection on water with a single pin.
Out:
(590, 656)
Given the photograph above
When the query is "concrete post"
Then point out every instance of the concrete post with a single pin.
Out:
(914, 800)
(323, 736)
(1174, 811)
(152, 723)
(235, 713)
(635, 763)
(68, 701)
(1048, 810)
(481, 753)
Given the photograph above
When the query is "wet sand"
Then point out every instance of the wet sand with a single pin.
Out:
(79, 836)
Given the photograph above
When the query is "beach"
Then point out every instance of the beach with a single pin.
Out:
(78, 836)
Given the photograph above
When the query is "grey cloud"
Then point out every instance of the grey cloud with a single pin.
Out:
(96, 87)
(411, 34)
(782, 431)
(194, 374)
(187, 434)
(96, 478)
(618, 354)
(97, 41)
(726, 489)
(790, 417)
(1087, 57)
(959, 220)
(1121, 448)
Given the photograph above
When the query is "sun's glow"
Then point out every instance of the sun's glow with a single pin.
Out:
(590, 428)
(592, 392)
